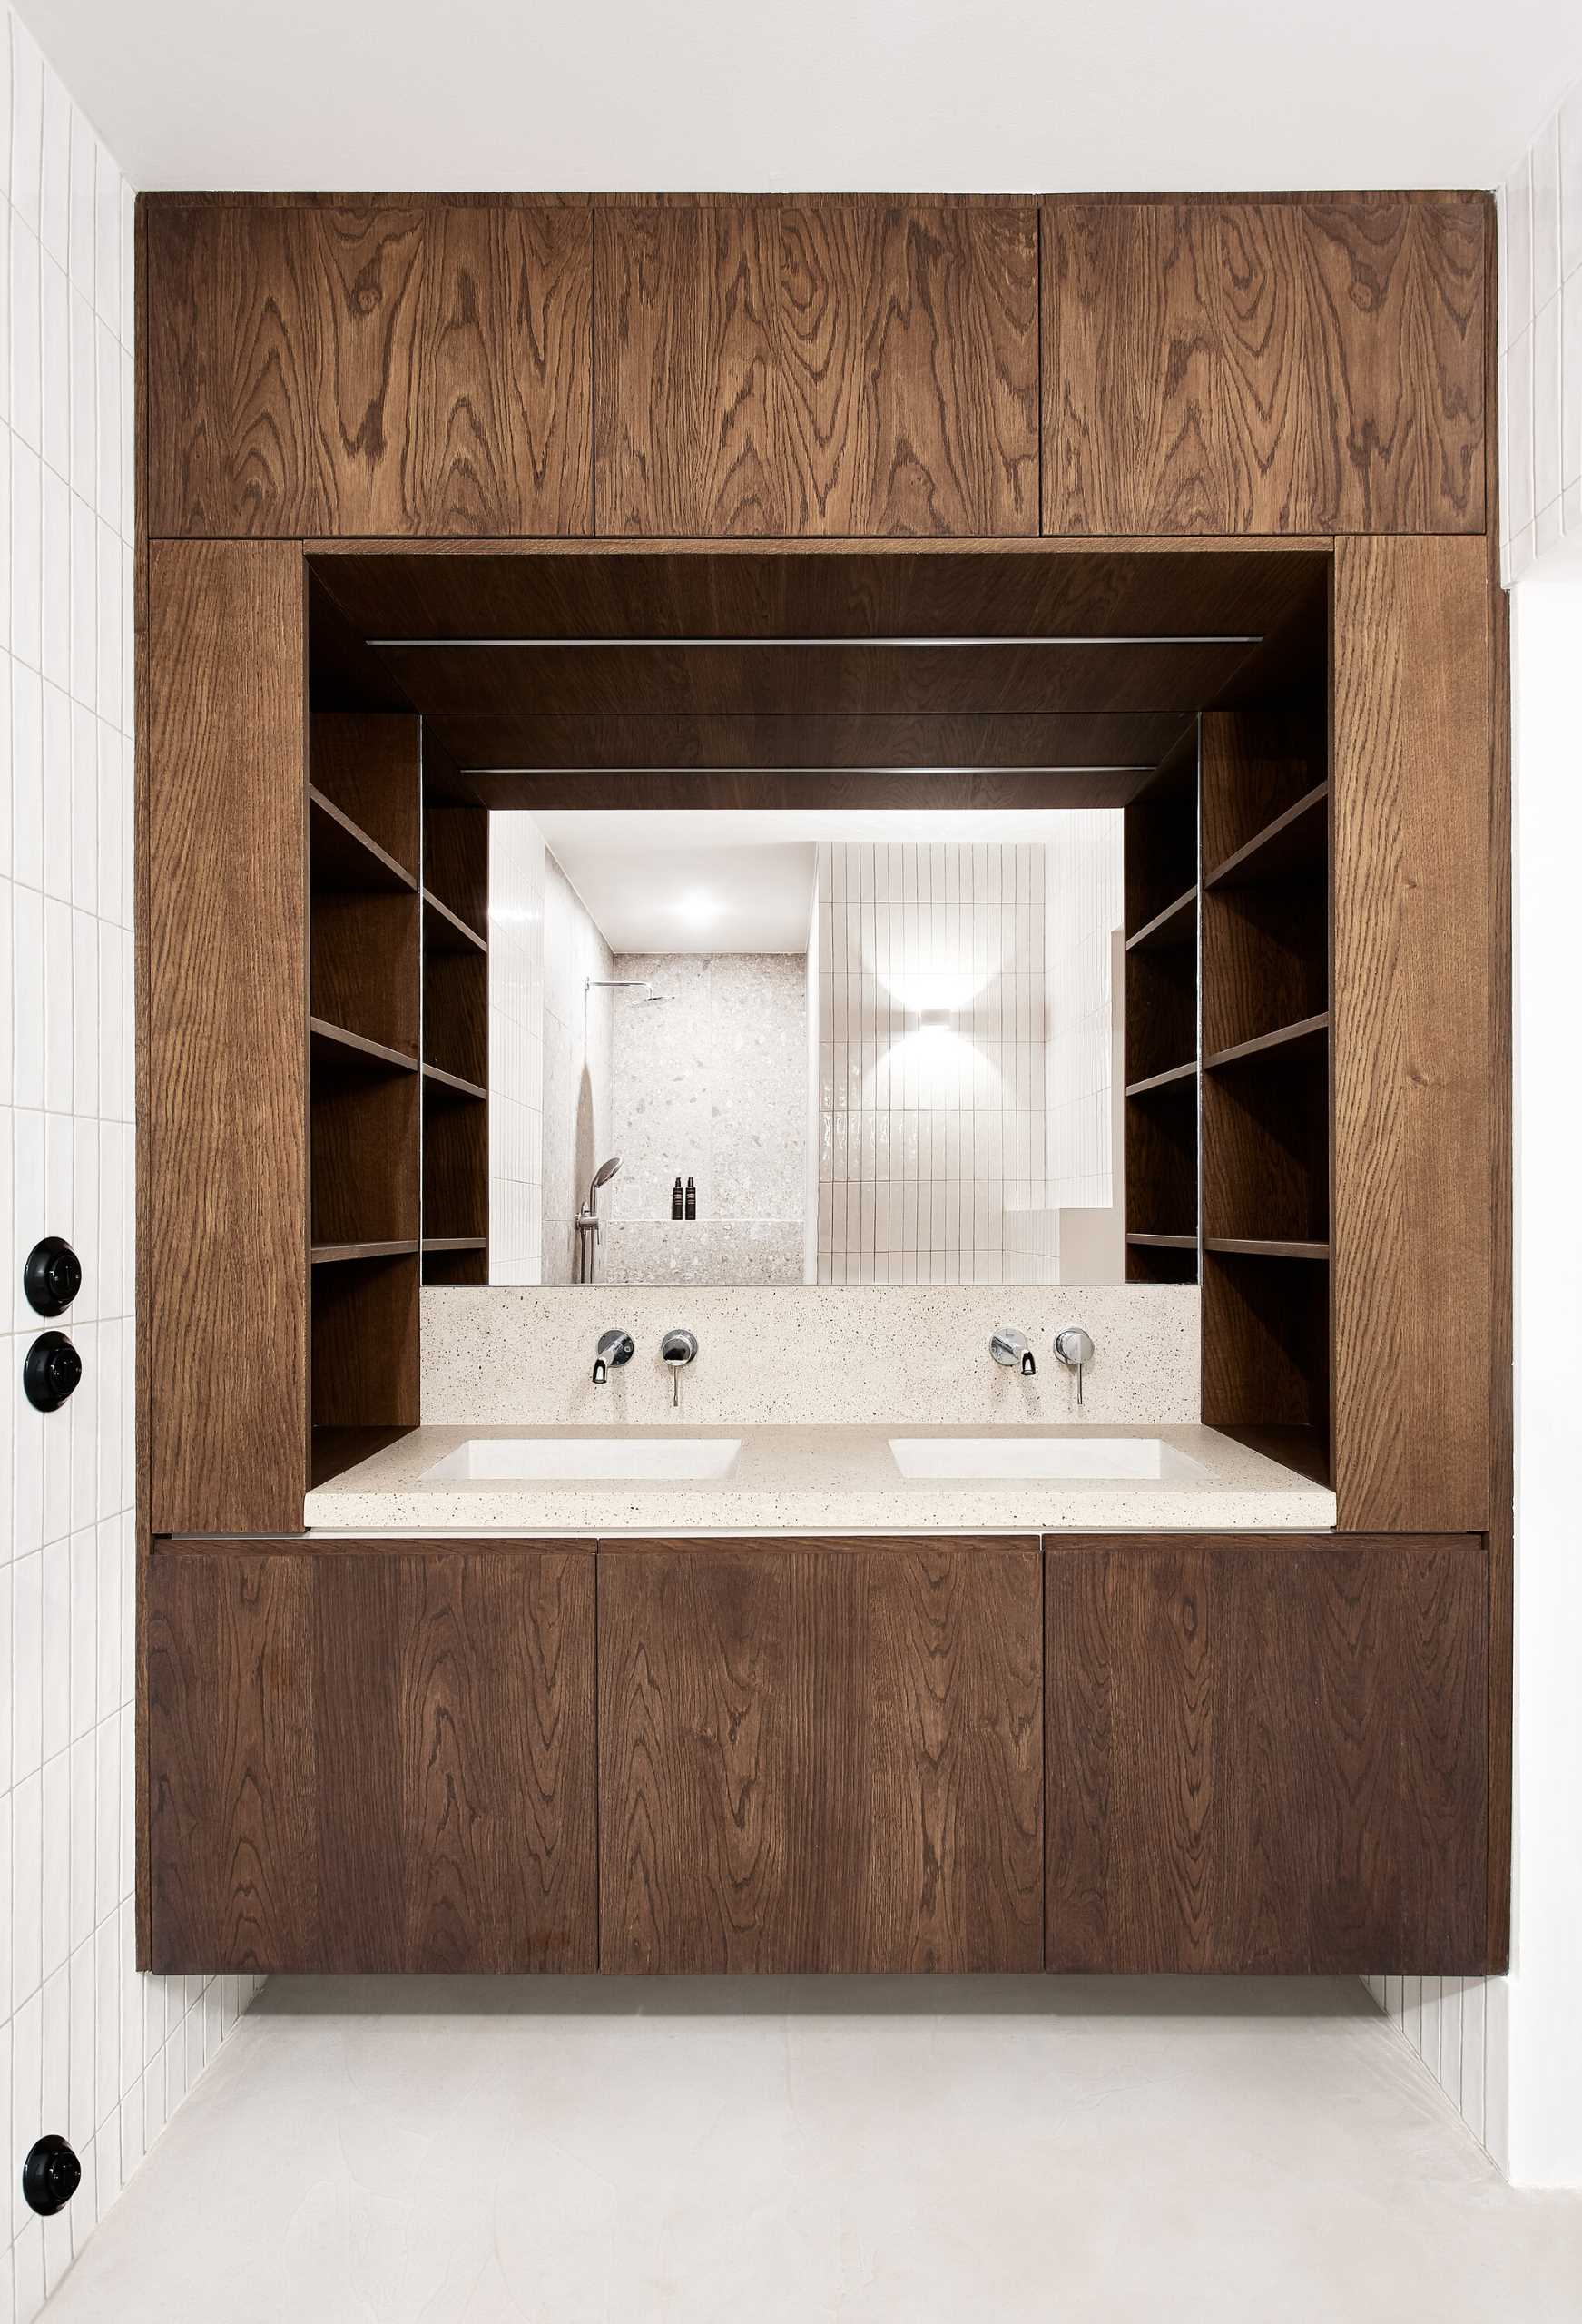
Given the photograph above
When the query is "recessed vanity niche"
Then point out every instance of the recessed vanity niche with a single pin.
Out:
(755, 920)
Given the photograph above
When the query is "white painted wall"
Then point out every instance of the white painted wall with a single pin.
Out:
(1509, 2052)
(87, 2046)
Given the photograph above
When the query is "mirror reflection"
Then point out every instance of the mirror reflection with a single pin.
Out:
(744, 1047)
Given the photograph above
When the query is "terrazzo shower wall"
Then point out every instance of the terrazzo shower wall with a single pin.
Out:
(711, 1082)
(87, 2046)
(578, 1121)
(940, 1092)
(517, 878)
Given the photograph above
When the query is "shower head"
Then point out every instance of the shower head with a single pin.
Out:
(606, 1172)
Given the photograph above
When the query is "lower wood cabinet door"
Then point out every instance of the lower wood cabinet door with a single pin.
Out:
(370, 1758)
(820, 1756)
(1267, 1754)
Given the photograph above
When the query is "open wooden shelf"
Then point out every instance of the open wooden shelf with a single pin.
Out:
(324, 1254)
(444, 931)
(1293, 843)
(1307, 1030)
(1164, 1242)
(336, 1044)
(432, 1243)
(437, 1077)
(343, 857)
(335, 1450)
(1177, 925)
(1253, 1247)
(1173, 1074)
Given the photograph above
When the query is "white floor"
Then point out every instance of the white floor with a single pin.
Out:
(945, 2152)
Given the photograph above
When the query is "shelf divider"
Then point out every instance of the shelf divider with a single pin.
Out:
(1284, 845)
(453, 1081)
(353, 859)
(1306, 1029)
(1187, 1072)
(1176, 924)
(1248, 1246)
(336, 1040)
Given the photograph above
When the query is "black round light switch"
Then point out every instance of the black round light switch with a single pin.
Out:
(51, 2176)
(51, 1275)
(49, 1370)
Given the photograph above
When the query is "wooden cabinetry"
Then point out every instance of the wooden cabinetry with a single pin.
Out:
(819, 1756)
(817, 367)
(340, 368)
(1303, 366)
(1267, 1755)
(223, 966)
(370, 1757)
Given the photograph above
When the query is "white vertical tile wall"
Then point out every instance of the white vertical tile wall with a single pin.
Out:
(931, 1053)
(1540, 347)
(936, 1138)
(515, 1048)
(1083, 915)
(87, 2046)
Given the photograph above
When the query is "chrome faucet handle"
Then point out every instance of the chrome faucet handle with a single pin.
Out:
(1008, 1347)
(1074, 1349)
(678, 1349)
(614, 1347)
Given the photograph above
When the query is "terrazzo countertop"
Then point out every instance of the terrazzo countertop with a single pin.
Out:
(820, 1480)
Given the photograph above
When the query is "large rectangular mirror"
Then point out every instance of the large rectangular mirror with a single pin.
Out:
(765, 1046)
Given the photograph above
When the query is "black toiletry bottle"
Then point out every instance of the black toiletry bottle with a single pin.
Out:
(676, 1209)
(692, 1200)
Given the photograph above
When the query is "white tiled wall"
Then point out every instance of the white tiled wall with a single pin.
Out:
(515, 1048)
(1084, 915)
(935, 1142)
(1540, 340)
(87, 2046)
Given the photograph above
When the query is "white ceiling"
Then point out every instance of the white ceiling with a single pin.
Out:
(937, 96)
(680, 881)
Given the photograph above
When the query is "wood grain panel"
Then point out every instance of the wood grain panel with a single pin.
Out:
(907, 370)
(232, 1773)
(1413, 820)
(685, 432)
(819, 1757)
(1266, 1756)
(816, 369)
(361, 369)
(222, 1134)
(405, 1776)
(848, 679)
(829, 588)
(1265, 367)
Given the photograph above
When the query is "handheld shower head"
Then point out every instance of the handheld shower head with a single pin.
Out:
(605, 1173)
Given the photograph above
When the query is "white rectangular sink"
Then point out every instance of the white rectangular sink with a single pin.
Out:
(1102, 1459)
(580, 1459)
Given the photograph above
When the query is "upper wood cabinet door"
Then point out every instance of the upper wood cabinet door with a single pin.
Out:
(361, 1756)
(1267, 1755)
(820, 1756)
(332, 371)
(1264, 367)
(817, 368)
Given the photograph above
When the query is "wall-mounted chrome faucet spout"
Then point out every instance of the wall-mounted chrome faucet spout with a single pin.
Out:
(1008, 1347)
(1074, 1349)
(614, 1347)
(678, 1349)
